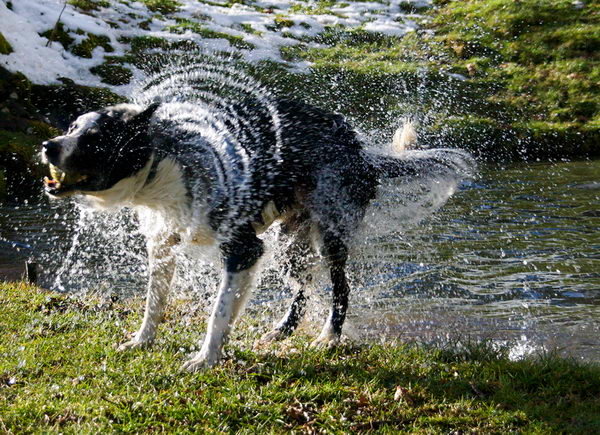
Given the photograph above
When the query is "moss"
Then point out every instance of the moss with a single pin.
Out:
(185, 24)
(113, 74)
(87, 46)
(494, 140)
(5, 47)
(145, 25)
(319, 7)
(246, 27)
(89, 5)
(42, 129)
(59, 34)
(149, 53)
(19, 145)
(281, 22)
(73, 100)
(15, 102)
(162, 6)
(410, 7)
(140, 43)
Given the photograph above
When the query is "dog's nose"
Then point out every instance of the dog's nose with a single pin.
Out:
(51, 148)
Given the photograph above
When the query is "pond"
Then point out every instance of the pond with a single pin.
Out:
(514, 257)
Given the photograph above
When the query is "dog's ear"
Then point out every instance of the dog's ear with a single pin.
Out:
(142, 119)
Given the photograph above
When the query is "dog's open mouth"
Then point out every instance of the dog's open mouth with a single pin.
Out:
(61, 183)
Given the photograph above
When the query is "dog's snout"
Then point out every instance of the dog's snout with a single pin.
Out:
(51, 148)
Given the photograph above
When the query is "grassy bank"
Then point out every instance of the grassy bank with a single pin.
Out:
(504, 78)
(538, 61)
(60, 372)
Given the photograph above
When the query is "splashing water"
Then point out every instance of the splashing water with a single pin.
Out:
(512, 257)
(402, 281)
(107, 252)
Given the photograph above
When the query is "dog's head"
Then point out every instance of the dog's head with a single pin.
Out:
(98, 150)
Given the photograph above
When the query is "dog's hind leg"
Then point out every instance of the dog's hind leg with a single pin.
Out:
(289, 322)
(161, 260)
(335, 253)
(298, 263)
(240, 263)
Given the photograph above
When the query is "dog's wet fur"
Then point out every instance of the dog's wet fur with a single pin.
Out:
(296, 164)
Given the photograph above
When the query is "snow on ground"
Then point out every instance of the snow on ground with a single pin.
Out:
(256, 29)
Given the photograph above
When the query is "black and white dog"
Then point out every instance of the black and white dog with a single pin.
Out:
(226, 181)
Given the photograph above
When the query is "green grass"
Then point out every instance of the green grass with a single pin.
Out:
(59, 34)
(89, 5)
(542, 58)
(112, 73)
(87, 46)
(162, 6)
(185, 24)
(5, 47)
(59, 372)
(531, 69)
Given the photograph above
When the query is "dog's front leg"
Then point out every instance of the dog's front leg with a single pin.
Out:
(161, 261)
(238, 276)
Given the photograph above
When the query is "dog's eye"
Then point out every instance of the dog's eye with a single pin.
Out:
(72, 127)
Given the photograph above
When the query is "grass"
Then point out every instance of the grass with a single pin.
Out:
(162, 6)
(529, 70)
(59, 372)
(89, 5)
(545, 54)
(539, 59)
(87, 46)
(193, 26)
(112, 73)
(5, 47)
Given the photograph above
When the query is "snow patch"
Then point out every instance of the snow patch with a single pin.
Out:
(255, 22)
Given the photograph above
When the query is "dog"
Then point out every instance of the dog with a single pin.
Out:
(225, 181)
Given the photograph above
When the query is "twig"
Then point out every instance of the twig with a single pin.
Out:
(55, 29)
(477, 390)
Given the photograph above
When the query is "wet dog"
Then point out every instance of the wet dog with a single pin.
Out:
(225, 179)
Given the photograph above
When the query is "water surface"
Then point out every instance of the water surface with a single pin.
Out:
(514, 256)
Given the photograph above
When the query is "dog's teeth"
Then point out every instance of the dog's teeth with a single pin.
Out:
(54, 172)
(57, 174)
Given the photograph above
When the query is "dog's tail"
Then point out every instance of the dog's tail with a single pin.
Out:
(403, 161)
(405, 137)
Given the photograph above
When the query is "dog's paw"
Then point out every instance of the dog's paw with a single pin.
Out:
(201, 361)
(326, 341)
(134, 344)
(271, 337)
